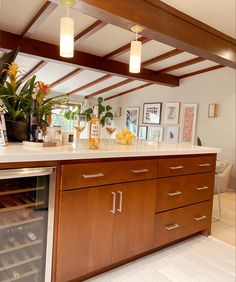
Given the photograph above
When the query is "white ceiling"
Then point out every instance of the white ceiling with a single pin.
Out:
(219, 14)
(16, 14)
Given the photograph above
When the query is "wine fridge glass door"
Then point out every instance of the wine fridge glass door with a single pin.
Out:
(26, 224)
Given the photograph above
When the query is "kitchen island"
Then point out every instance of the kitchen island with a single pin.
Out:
(114, 205)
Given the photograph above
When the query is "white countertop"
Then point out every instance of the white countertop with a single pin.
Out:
(17, 152)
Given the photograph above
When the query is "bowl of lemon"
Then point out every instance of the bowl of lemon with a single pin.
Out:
(125, 137)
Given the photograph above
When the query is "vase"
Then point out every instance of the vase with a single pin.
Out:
(17, 131)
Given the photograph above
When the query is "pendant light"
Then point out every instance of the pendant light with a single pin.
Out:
(135, 51)
(67, 31)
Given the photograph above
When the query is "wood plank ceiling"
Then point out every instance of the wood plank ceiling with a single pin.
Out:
(100, 65)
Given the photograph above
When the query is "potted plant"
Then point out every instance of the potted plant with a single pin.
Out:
(103, 111)
(16, 100)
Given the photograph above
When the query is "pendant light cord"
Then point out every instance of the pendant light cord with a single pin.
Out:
(136, 36)
(67, 11)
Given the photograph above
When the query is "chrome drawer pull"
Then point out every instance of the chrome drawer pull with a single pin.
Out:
(176, 167)
(200, 218)
(93, 175)
(202, 188)
(139, 170)
(174, 193)
(121, 201)
(202, 165)
(113, 210)
(171, 227)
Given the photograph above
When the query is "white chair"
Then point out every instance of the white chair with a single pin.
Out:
(223, 170)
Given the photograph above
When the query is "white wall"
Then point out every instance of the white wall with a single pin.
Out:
(217, 86)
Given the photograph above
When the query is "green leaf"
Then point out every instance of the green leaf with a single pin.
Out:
(100, 100)
(108, 108)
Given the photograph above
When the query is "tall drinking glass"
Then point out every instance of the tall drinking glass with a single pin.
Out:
(110, 127)
(80, 124)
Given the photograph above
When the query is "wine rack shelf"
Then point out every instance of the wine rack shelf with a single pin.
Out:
(16, 222)
(10, 204)
(20, 262)
(19, 246)
(21, 276)
(18, 190)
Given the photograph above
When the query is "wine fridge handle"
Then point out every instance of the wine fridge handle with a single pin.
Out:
(25, 172)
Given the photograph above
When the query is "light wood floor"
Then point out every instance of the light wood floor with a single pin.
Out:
(198, 259)
(225, 229)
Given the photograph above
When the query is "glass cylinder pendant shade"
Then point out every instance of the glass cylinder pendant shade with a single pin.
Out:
(135, 56)
(67, 37)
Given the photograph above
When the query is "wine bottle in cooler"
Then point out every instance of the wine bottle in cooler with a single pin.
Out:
(94, 133)
(34, 120)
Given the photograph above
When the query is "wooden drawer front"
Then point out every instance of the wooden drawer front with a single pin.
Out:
(86, 175)
(186, 165)
(176, 224)
(174, 192)
(136, 170)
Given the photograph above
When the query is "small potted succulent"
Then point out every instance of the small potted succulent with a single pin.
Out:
(16, 99)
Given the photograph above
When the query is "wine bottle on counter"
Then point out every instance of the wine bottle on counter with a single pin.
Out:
(34, 120)
(94, 133)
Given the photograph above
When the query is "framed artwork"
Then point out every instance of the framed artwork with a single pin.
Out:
(142, 132)
(212, 108)
(172, 134)
(172, 113)
(132, 118)
(152, 113)
(188, 125)
(155, 133)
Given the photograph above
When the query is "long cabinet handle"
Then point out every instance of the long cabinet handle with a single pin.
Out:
(202, 165)
(121, 201)
(113, 210)
(202, 188)
(136, 171)
(174, 193)
(176, 167)
(171, 227)
(200, 218)
(93, 175)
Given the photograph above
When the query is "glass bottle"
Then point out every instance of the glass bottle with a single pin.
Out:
(94, 132)
(34, 122)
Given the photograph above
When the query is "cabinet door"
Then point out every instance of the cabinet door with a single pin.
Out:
(85, 232)
(134, 219)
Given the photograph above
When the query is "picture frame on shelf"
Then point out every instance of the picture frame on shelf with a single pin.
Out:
(132, 119)
(172, 134)
(188, 123)
(152, 113)
(172, 113)
(155, 133)
(142, 132)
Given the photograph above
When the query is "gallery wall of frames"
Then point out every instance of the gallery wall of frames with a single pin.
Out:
(171, 129)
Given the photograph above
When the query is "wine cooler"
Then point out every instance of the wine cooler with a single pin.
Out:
(26, 224)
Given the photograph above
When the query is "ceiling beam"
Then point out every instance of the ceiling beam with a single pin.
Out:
(161, 57)
(36, 68)
(82, 59)
(201, 71)
(39, 18)
(124, 49)
(90, 84)
(101, 91)
(89, 31)
(167, 25)
(181, 65)
(128, 91)
(66, 77)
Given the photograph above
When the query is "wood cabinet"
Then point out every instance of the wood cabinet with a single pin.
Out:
(113, 210)
(85, 230)
(134, 220)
